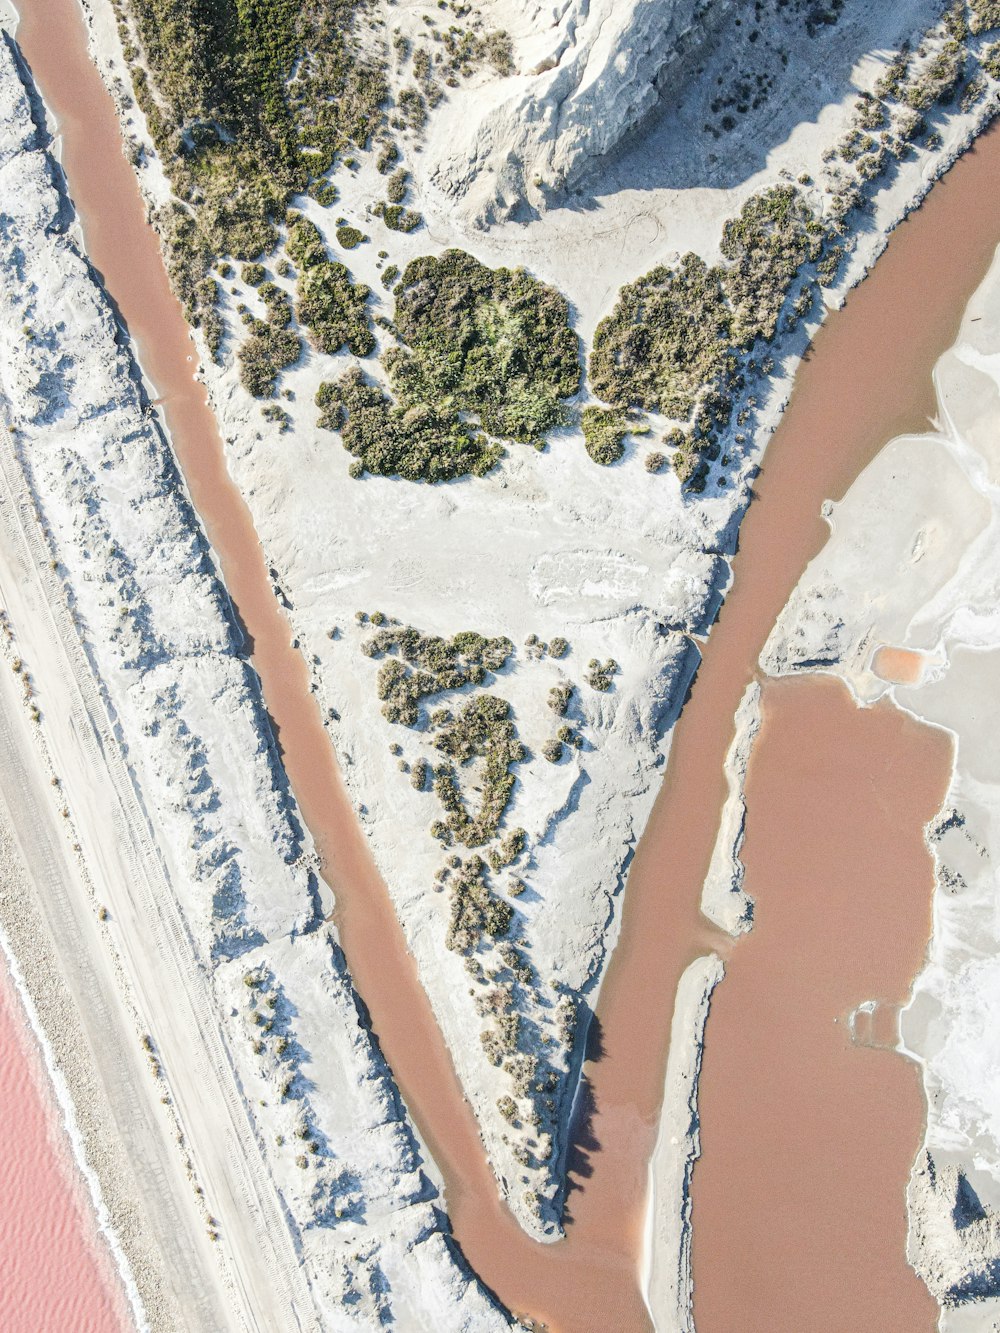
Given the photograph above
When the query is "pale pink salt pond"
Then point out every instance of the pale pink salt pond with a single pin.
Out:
(898, 666)
(56, 1272)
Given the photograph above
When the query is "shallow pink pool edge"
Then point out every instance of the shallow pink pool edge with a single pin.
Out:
(56, 1269)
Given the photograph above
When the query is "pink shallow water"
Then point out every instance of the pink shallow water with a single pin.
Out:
(56, 1273)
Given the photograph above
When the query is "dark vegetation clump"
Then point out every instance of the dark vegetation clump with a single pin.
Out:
(475, 910)
(327, 302)
(679, 339)
(604, 430)
(495, 343)
(774, 235)
(984, 16)
(265, 354)
(398, 218)
(424, 442)
(249, 102)
(420, 665)
(481, 730)
(600, 675)
(666, 338)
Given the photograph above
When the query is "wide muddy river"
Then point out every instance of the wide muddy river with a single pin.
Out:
(868, 377)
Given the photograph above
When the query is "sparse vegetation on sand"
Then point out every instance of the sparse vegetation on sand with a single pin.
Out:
(248, 104)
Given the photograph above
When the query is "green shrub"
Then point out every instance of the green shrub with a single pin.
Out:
(558, 646)
(655, 462)
(666, 337)
(264, 355)
(389, 275)
(395, 186)
(991, 60)
(350, 237)
(398, 218)
(324, 192)
(552, 750)
(495, 343)
(252, 274)
(604, 430)
(419, 443)
(599, 675)
(305, 246)
(333, 309)
(475, 910)
(774, 235)
(260, 121)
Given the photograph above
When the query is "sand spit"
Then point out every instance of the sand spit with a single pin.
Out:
(617, 561)
(723, 900)
(667, 1276)
(303, 1194)
(912, 563)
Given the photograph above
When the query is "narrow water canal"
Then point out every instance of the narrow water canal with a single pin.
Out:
(868, 377)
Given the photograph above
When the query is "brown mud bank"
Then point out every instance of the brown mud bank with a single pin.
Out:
(843, 409)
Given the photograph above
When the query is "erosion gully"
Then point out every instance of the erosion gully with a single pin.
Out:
(867, 379)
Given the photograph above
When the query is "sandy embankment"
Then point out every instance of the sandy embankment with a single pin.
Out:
(912, 563)
(667, 1251)
(270, 1199)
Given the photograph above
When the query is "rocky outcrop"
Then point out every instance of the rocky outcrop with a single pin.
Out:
(589, 74)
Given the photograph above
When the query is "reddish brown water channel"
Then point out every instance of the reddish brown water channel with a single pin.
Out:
(799, 1219)
(869, 377)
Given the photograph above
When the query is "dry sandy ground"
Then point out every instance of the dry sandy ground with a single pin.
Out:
(912, 564)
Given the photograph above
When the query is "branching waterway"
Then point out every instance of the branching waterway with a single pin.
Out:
(868, 378)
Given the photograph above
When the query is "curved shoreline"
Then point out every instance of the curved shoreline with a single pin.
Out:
(942, 608)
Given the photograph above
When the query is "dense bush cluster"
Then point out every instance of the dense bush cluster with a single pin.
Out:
(559, 699)
(398, 218)
(666, 338)
(268, 351)
(422, 665)
(678, 339)
(774, 235)
(482, 729)
(248, 102)
(600, 675)
(985, 15)
(475, 910)
(495, 343)
(420, 443)
(327, 302)
(604, 431)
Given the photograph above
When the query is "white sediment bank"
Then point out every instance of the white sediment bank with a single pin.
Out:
(912, 563)
(667, 1283)
(723, 900)
(618, 561)
(296, 1179)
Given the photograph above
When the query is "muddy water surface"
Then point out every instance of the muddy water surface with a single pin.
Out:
(844, 408)
(804, 1196)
